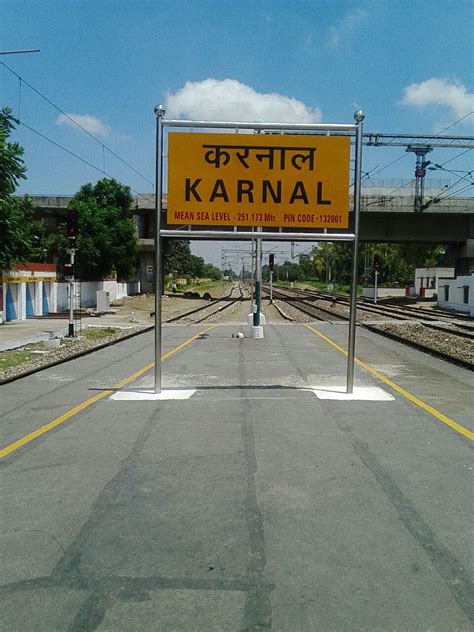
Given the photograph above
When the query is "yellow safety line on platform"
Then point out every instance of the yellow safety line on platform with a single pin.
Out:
(433, 411)
(77, 409)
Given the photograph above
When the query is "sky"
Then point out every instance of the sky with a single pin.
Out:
(106, 64)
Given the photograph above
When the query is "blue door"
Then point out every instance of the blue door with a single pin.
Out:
(29, 303)
(10, 304)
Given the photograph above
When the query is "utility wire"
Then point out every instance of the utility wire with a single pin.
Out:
(455, 123)
(451, 186)
(392, 163)
(71, 153)
(434, 136)
(403, 186)
(443, 196)
(455, 193)
(441, 166)
(466, 176)
(56, 107)
(53, 142)
(457, 156)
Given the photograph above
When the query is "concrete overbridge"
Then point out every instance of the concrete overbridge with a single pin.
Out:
(385, 217)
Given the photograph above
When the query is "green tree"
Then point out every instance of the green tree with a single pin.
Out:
(106, 239)
(196, 266)
(178, 258)
(211, 272)
(18, 226)
(397, 262)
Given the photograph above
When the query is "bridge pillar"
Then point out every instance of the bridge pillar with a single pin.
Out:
(462, 257)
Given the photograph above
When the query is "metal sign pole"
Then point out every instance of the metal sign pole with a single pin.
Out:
(359, 116)
(160, 112)
(258, 282)
(252, 276)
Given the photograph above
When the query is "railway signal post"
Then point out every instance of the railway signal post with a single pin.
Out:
(71, 229)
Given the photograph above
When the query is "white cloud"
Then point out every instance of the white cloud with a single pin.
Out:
(230, 100)
(91, 124)
(450, 94)
(345, 27)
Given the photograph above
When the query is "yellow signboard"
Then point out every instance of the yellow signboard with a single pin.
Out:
(258, 180)
(28, 279)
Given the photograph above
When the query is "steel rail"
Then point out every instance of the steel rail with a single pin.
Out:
(228, 299)
(396, 313)
(377, 330)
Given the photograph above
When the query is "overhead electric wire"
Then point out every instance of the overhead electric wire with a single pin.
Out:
(442, 166)
(457, 156)
(53, 142)
(71, 153)
(455, 172)
(454, 193)
(434, 136)
(451, 186)
(56, 107)
(403, 186)
(442, 196)
(455, 123)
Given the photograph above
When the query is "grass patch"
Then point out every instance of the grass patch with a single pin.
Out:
(338, 288)
(16, 357)
(215, 288)
(98, 333)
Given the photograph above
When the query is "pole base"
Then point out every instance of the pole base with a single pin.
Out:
(70, 332)
(256, 331)
(263, 320)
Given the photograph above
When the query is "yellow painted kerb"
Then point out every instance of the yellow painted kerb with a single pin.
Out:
(92, 400)
(429, 409)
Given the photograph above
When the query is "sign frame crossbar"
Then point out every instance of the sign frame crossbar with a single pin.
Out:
(355, 129)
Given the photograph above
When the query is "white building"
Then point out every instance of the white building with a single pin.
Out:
(457, 294)
(31, 290)
(426, 280)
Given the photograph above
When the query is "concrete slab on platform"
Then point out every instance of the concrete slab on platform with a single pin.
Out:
(359, 393)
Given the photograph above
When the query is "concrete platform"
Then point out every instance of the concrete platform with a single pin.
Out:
(14, 334)
(263, 501)
(17, 333)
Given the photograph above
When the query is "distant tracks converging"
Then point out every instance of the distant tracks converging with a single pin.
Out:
(202, 313)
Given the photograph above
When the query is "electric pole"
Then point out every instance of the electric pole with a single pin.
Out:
(420, 152)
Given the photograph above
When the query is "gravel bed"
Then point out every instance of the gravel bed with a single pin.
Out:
(440, 341)
(450, 344)
(293, 312)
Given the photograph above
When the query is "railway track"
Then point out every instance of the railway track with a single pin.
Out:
(200, 314)
(448, 339)
(427, 317)
(304, 306)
